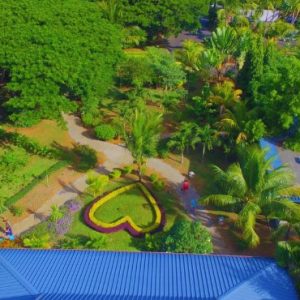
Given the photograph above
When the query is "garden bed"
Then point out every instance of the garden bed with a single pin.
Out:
(132, 208)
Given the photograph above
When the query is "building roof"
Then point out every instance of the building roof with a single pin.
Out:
(74, 274)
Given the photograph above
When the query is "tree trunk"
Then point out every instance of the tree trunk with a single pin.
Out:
(140, 172)
(203, 151)
(181, 158)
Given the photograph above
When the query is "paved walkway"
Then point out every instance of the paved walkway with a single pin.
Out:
(118, 156)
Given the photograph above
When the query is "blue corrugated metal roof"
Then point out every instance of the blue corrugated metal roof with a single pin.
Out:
(72, 274)
(12, 285)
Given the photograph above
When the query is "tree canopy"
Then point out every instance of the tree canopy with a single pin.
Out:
(53, 54)
(164, 17)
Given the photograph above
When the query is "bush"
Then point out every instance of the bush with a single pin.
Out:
(87, 158)
(127, 170)
(96, 243)
(17, 211)
(115, 174)
(153, 177)
(105, 132)
(13, 159)
(183, 237)
(90, 119)
(159, 185)
(28, 144)
(34, 241)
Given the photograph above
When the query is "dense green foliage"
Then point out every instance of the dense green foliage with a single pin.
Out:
(184, 237)
(105, 132)
(164, 17)
(53, 54)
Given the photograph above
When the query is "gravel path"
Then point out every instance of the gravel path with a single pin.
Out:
(117, 156)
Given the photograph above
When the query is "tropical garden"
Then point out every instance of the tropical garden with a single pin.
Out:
(203, 106)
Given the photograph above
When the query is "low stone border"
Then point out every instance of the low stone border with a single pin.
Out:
(125, 223)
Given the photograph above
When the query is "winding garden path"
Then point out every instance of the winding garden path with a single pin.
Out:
(118, 156)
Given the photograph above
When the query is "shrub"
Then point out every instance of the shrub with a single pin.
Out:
(128, 170)
(183, 237)
(96, 243)
(96, 182)
(159, 185)
(153, 177)
(56, 213)
(89, 119)
(16, 210)
(73, 205)
(105, 132)
(13, 159)
(115, 174)
(87, 158)
(34, 241)
(62, 225)
(28, 144)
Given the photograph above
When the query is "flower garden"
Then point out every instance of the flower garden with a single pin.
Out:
(122, 210)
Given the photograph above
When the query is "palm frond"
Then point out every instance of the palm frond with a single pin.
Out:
(219, 200)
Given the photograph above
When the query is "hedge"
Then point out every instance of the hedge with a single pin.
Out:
(28, 144)
(125, 223)
(12, 200)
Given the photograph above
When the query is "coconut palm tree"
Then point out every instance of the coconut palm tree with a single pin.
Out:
(190, 55)
(225, 95)
(224, 39)
(208, 138)
(232, 122)
(253, 185)
(111, 10)
(143, 136)
(187, 136)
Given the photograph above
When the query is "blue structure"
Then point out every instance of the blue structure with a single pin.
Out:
(271, 152)
(74, 274)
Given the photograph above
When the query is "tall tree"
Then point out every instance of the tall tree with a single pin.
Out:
(143, 136)
(56, 53)
(257, 188)
(164, 17)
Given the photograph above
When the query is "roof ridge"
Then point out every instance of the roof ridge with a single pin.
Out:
(249, 278)
(27, 285)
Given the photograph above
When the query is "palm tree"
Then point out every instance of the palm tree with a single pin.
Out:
(225, 95)
(232, 122)
(208, 138)
(190, 55)
(257, 188)
(143, 136)
(224, 40)
(187, 136)
(96, 182)
(291, 8)
(111, 10)
(56, 213)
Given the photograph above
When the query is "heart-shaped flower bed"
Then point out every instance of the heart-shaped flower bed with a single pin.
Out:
(96, 214)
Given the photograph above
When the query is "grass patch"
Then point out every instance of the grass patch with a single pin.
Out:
(132, 203)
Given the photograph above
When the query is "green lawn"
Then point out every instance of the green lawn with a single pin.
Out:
(19, 178)
(132, 203)
(122, 240)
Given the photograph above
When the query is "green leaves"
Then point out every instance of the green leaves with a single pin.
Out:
(55, 52)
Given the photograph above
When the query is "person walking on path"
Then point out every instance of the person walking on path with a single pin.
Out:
(185, 185)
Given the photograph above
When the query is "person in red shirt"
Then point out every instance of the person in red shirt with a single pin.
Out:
(185, 185)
